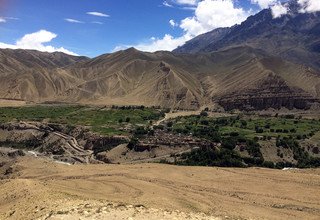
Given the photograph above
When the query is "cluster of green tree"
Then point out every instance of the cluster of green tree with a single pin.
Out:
(128, 107)
(214, 130)
(127, 120)
(211, 157)
(304, 160)
(141, 131)
(138, 133)
(155, 116)
(224, 158)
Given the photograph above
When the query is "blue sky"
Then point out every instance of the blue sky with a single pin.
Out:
(144, 24)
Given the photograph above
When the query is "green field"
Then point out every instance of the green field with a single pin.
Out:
(103, 121)
(251, 127)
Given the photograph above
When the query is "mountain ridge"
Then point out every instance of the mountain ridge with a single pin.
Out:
(293, 37)
(261, 63)
(180, 81)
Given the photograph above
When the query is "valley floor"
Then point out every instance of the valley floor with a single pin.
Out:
(38, 188)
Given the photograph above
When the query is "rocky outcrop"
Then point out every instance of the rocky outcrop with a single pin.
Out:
(272, 92)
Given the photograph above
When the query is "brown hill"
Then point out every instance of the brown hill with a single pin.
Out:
(34, 76)
(239, 77)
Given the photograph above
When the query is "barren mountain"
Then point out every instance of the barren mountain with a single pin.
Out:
(34, 76)
(239, 77)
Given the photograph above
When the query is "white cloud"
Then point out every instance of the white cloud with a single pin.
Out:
(278, 10)
(11, 18)
(99, 14)
(173, 23)
(96, 22)
(309, 6)
(5, 19)
(36, 41)
(73, 20)
(168, 43)
(208, 15)
(165, 3)
(211, 14)
(186, 2)
(264, 3)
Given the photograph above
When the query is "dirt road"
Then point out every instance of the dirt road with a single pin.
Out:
(44, 189)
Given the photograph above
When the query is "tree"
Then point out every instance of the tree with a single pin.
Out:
(204, 114)
(229, 143)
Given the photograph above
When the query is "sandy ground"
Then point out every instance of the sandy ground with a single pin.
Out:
(176, 114)
(11, 103)
(44, 189)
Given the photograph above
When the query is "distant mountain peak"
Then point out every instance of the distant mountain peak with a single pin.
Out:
(294, 36)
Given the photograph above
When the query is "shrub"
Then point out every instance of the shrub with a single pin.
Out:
(234, 134)
(132, 143)
(293, 130)
(253, 149)
(243, 124)
(204, 114)
(268, 164)
(229, 143)
(140, 131)
(315, 150)
(259, 130)
(158, 127)
(204, 122)
(169, 124)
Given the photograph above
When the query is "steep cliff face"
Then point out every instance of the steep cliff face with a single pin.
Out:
(271, 92)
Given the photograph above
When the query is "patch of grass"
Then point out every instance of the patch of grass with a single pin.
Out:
(103, 121)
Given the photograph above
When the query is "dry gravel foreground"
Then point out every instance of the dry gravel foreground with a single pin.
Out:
(42, 189)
